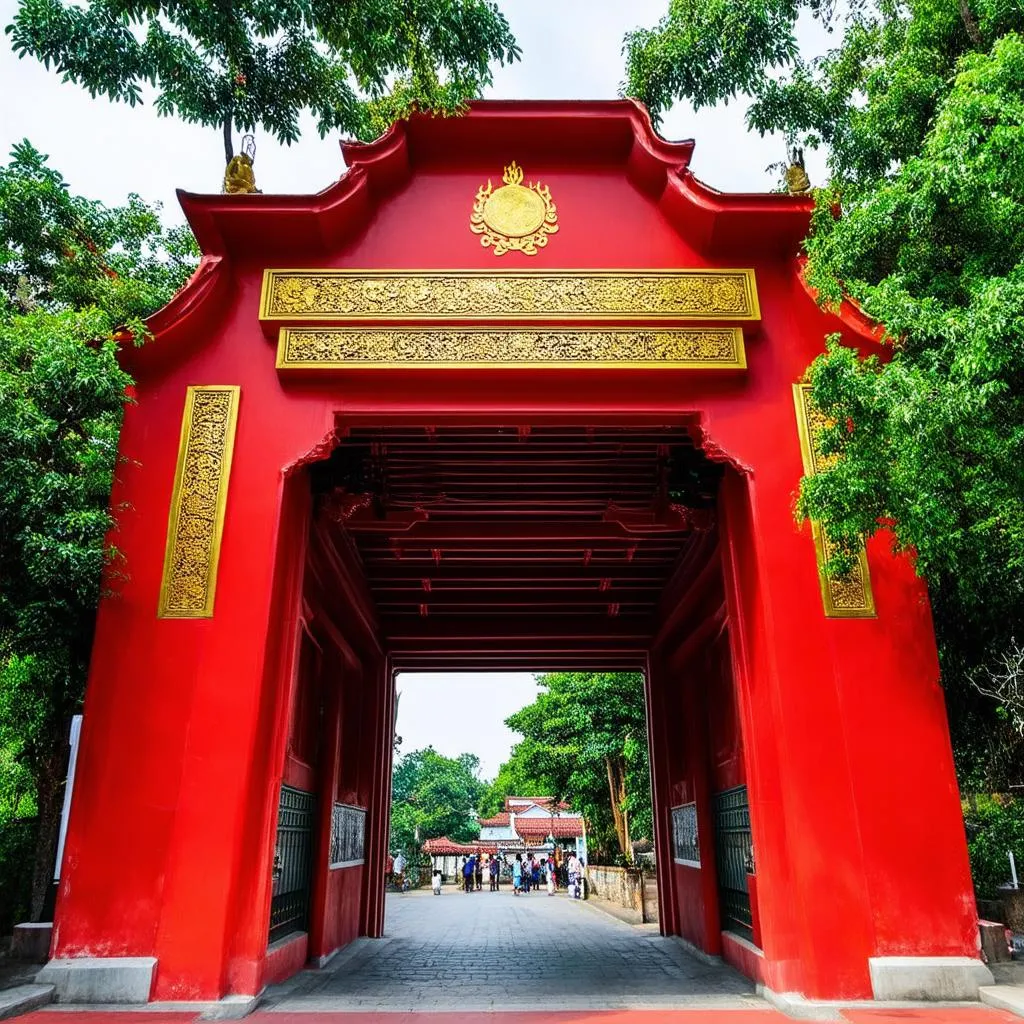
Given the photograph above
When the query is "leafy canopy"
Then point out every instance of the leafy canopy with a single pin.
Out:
(357, 66)
(63, 251)
(432, 796)
(921, 107)
(72, 273)
(585, 741)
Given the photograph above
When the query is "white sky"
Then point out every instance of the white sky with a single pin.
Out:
(462, 712)
(571, 50)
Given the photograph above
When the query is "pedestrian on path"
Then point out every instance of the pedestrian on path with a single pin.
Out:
(517, 874)
(574, 876)
(478, 871)
(437, 881)
(399, 876)
(550, 872)
(493, 870)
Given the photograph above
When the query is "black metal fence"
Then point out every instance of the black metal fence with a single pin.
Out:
(734, 858)
(293, 858)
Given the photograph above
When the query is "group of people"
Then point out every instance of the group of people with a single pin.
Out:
(474, 868)
(528, 872)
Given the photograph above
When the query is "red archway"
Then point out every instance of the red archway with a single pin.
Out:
(471, 459)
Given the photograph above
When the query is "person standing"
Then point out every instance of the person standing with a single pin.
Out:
(493, 869)
(478, 871)
(535, 872)
(517, 874)
(550, 872)
(399, 867)
(574, 875)
(467, 874)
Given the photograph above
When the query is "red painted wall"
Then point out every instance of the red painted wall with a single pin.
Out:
(186, 721)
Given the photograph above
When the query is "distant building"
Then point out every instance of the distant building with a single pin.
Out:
(530, 825)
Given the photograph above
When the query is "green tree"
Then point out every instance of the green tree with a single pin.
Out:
(586, 742)
(357, 66)
(432, 796)
(995, 828)
(921, 108)
(520, 775)
(73, 274)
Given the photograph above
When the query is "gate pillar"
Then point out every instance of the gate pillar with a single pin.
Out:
(167, 865)
(863, 883)
(379, 725)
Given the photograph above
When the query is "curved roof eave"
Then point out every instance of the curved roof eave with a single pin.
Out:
(271, 227)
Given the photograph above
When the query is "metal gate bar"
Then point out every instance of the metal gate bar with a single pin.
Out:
(734, 857)
(293, 855)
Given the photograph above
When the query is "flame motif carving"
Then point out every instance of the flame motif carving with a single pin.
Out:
(514, 216)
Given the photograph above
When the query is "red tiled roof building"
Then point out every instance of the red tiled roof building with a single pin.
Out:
(530, 825)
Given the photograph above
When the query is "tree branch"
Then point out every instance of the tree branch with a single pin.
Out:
(970, 23)
(229, 149)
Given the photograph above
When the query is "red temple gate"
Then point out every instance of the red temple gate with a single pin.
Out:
(499, 421)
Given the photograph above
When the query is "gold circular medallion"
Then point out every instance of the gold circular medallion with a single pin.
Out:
(514, 216)
(514, 211)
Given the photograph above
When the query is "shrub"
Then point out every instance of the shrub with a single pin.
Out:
(17, 844)
(994, 827)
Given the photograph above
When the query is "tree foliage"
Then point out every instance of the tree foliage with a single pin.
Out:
(921, 108)
(432, 796)
(357, 66)
(585, 741)
(520, 775)
(72, 273)
(995, 828)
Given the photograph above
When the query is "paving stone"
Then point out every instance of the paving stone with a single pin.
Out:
(496, 951)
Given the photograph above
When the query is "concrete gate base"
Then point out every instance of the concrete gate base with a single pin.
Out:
(928, 977)
(100, 979)
(126, 980)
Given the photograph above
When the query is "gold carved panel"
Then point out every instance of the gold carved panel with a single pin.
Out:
(416, 295)
(473, 347)
(848, 596)
(196, 519)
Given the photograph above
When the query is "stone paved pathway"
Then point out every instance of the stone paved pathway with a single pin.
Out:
(495, 951)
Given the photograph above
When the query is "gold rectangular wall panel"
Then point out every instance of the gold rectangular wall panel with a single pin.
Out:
(416, 295)
(354, 348)
(196, 519)
(847, 597)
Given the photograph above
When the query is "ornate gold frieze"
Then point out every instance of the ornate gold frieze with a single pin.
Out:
(196, 518)
(416, 295)
(459, 347)
(514, 216)
(844, 597)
